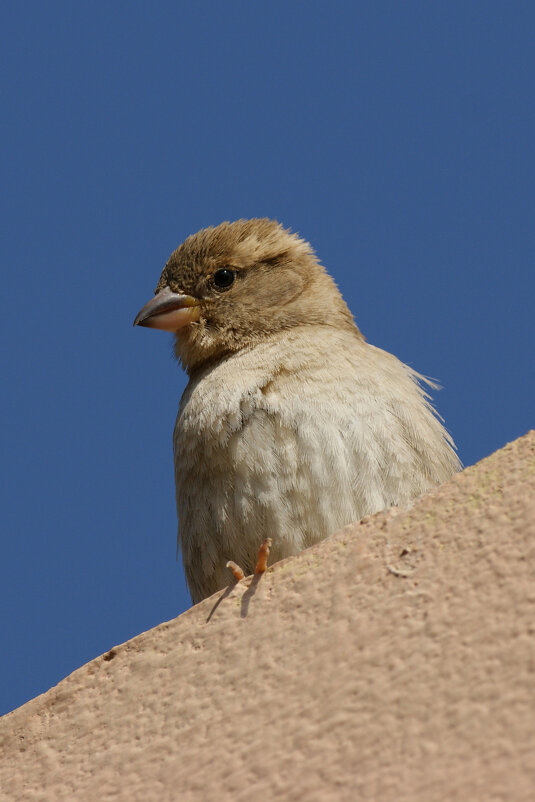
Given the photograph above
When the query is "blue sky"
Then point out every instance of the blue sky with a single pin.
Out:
(396, 137)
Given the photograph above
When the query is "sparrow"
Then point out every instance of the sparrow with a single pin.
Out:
(291, 425)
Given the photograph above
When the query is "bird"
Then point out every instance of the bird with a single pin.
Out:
(291, 425)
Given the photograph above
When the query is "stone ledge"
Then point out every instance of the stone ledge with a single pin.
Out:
(393, 661)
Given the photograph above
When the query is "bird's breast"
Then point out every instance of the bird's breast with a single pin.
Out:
(295, 448)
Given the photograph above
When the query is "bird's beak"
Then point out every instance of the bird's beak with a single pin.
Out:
(168, 311)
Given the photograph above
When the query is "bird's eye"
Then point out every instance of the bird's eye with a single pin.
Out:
(224, 278)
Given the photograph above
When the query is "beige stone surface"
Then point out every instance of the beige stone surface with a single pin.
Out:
(395, 661)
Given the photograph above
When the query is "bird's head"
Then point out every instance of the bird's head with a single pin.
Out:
(230, 287)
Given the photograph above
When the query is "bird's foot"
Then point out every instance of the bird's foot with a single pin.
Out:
(261, 562)
(263, 554)
(237, 572)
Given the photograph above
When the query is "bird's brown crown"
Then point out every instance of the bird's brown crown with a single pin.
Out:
(252, 279)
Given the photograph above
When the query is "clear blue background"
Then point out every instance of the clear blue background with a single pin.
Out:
(396, 136)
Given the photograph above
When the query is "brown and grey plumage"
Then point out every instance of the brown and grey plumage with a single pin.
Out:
(291, 425)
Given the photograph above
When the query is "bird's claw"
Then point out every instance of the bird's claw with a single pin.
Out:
(263, 554)
(261, 562)
(237, 572)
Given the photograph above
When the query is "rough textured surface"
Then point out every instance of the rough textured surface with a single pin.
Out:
(395, 661)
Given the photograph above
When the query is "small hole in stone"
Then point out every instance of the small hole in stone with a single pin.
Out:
(109, 655)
